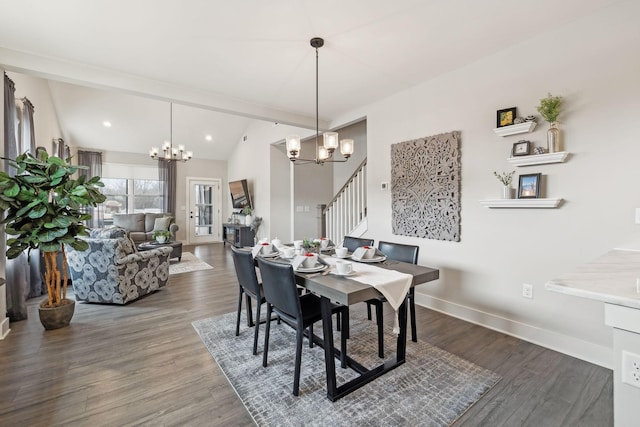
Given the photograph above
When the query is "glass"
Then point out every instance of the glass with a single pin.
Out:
(204, 208)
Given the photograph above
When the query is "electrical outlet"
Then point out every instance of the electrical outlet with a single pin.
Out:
(631, 369)
(527, 291)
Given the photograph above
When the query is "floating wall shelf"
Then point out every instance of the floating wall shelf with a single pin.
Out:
(538, 159)
(525, 127)
(522, 203)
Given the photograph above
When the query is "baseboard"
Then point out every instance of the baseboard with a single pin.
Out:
(590, 352)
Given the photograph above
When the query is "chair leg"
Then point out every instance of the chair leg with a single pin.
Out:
(412, 310)
(240, 292)
(249, 313)
(257, 327)
(368, 310)
(266, 337)
(296, 375)
(338, 321)
(380, 330)
(310, 335)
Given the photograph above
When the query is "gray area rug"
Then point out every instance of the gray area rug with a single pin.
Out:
(188, 263)
(433, 388)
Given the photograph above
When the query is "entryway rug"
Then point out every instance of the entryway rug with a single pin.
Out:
(433, 387)
(188, 263)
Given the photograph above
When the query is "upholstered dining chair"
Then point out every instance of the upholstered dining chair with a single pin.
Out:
(298, 311)
(403, 253)
(250, 287)
(353, 243)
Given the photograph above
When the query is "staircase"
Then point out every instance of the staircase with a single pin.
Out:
(346, 214)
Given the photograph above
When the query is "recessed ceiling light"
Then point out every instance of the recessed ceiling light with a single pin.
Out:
(208, 137)
(106, 124)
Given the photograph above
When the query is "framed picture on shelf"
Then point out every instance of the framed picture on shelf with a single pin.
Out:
(506, 117)
(529, 186)
(521, 148)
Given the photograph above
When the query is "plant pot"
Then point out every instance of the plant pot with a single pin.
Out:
(248, 219)
(57, 317)
(161, 239)
(506, 192)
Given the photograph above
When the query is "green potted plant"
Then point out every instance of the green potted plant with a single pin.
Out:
(162, 236)
(43, 208)
(505, 178)
(549, 109)
(247, 211)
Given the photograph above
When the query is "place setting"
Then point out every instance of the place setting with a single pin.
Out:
(368, 254)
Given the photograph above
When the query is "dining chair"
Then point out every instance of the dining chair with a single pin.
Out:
(353, 243)
(403, 253)
(250, 287)
(298, 311)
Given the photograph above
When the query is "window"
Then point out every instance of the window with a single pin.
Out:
(130, 196)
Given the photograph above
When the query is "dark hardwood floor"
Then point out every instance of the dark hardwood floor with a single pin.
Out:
(143, 364)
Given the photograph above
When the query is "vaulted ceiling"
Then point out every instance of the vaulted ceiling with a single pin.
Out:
(224, 64)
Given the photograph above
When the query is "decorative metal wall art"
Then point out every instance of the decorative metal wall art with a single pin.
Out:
(425, 187)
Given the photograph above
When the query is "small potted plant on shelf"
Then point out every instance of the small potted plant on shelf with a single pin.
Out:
(505, 178)
(549, 109)
(247, 211)
(162, 236)
(44, 209)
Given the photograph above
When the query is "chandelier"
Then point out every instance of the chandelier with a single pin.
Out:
(324, 152)
(168, 151)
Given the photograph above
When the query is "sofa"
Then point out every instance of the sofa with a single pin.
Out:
(112, 271)
(142, 225)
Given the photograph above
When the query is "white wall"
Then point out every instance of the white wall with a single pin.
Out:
(593, 63)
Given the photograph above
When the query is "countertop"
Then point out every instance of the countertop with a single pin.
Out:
(613, 278)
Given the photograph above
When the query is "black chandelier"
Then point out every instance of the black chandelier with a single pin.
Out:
(168, 152)
(324, 152)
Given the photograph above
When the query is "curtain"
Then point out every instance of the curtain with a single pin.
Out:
(28, 143)
(17, 268)
(93, 161)
(167, 174)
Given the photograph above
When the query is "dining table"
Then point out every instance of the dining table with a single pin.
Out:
(347, 291)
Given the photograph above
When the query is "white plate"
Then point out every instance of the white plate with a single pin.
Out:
(351, 273)
(328, 248)
(270, 255)
(342, 257)
(316, 268)
(374, 259)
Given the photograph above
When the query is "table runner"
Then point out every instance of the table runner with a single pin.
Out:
(390, 283)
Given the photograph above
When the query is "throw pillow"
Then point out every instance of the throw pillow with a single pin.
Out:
(162, 224)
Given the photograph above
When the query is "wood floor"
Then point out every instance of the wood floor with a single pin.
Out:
(143, 364)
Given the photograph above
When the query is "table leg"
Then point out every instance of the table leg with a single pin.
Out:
(330, 365)
(402, 336)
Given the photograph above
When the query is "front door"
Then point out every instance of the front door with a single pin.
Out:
(204, 204)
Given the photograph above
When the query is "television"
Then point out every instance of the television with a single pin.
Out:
(240, 197)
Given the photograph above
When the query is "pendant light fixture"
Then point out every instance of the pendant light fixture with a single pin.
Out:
(324, 152)
(168, 152)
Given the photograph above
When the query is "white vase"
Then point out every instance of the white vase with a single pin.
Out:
(161, 239)
(506, 192)
(248, 219)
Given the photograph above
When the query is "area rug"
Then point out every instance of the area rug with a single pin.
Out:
(433, 387)
(188, 263)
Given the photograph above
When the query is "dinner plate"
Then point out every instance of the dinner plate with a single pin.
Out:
(349, 274)
(314, 269)
(328, 248)
(347, 256)
(270, 255)
(374, 259)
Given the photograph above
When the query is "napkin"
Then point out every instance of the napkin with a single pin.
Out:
(364, 252)
(297, 261)
(256, 250)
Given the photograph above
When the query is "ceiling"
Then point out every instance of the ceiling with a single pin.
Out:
(225, 64)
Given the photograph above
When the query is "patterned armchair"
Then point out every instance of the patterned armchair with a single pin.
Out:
(112, 271)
